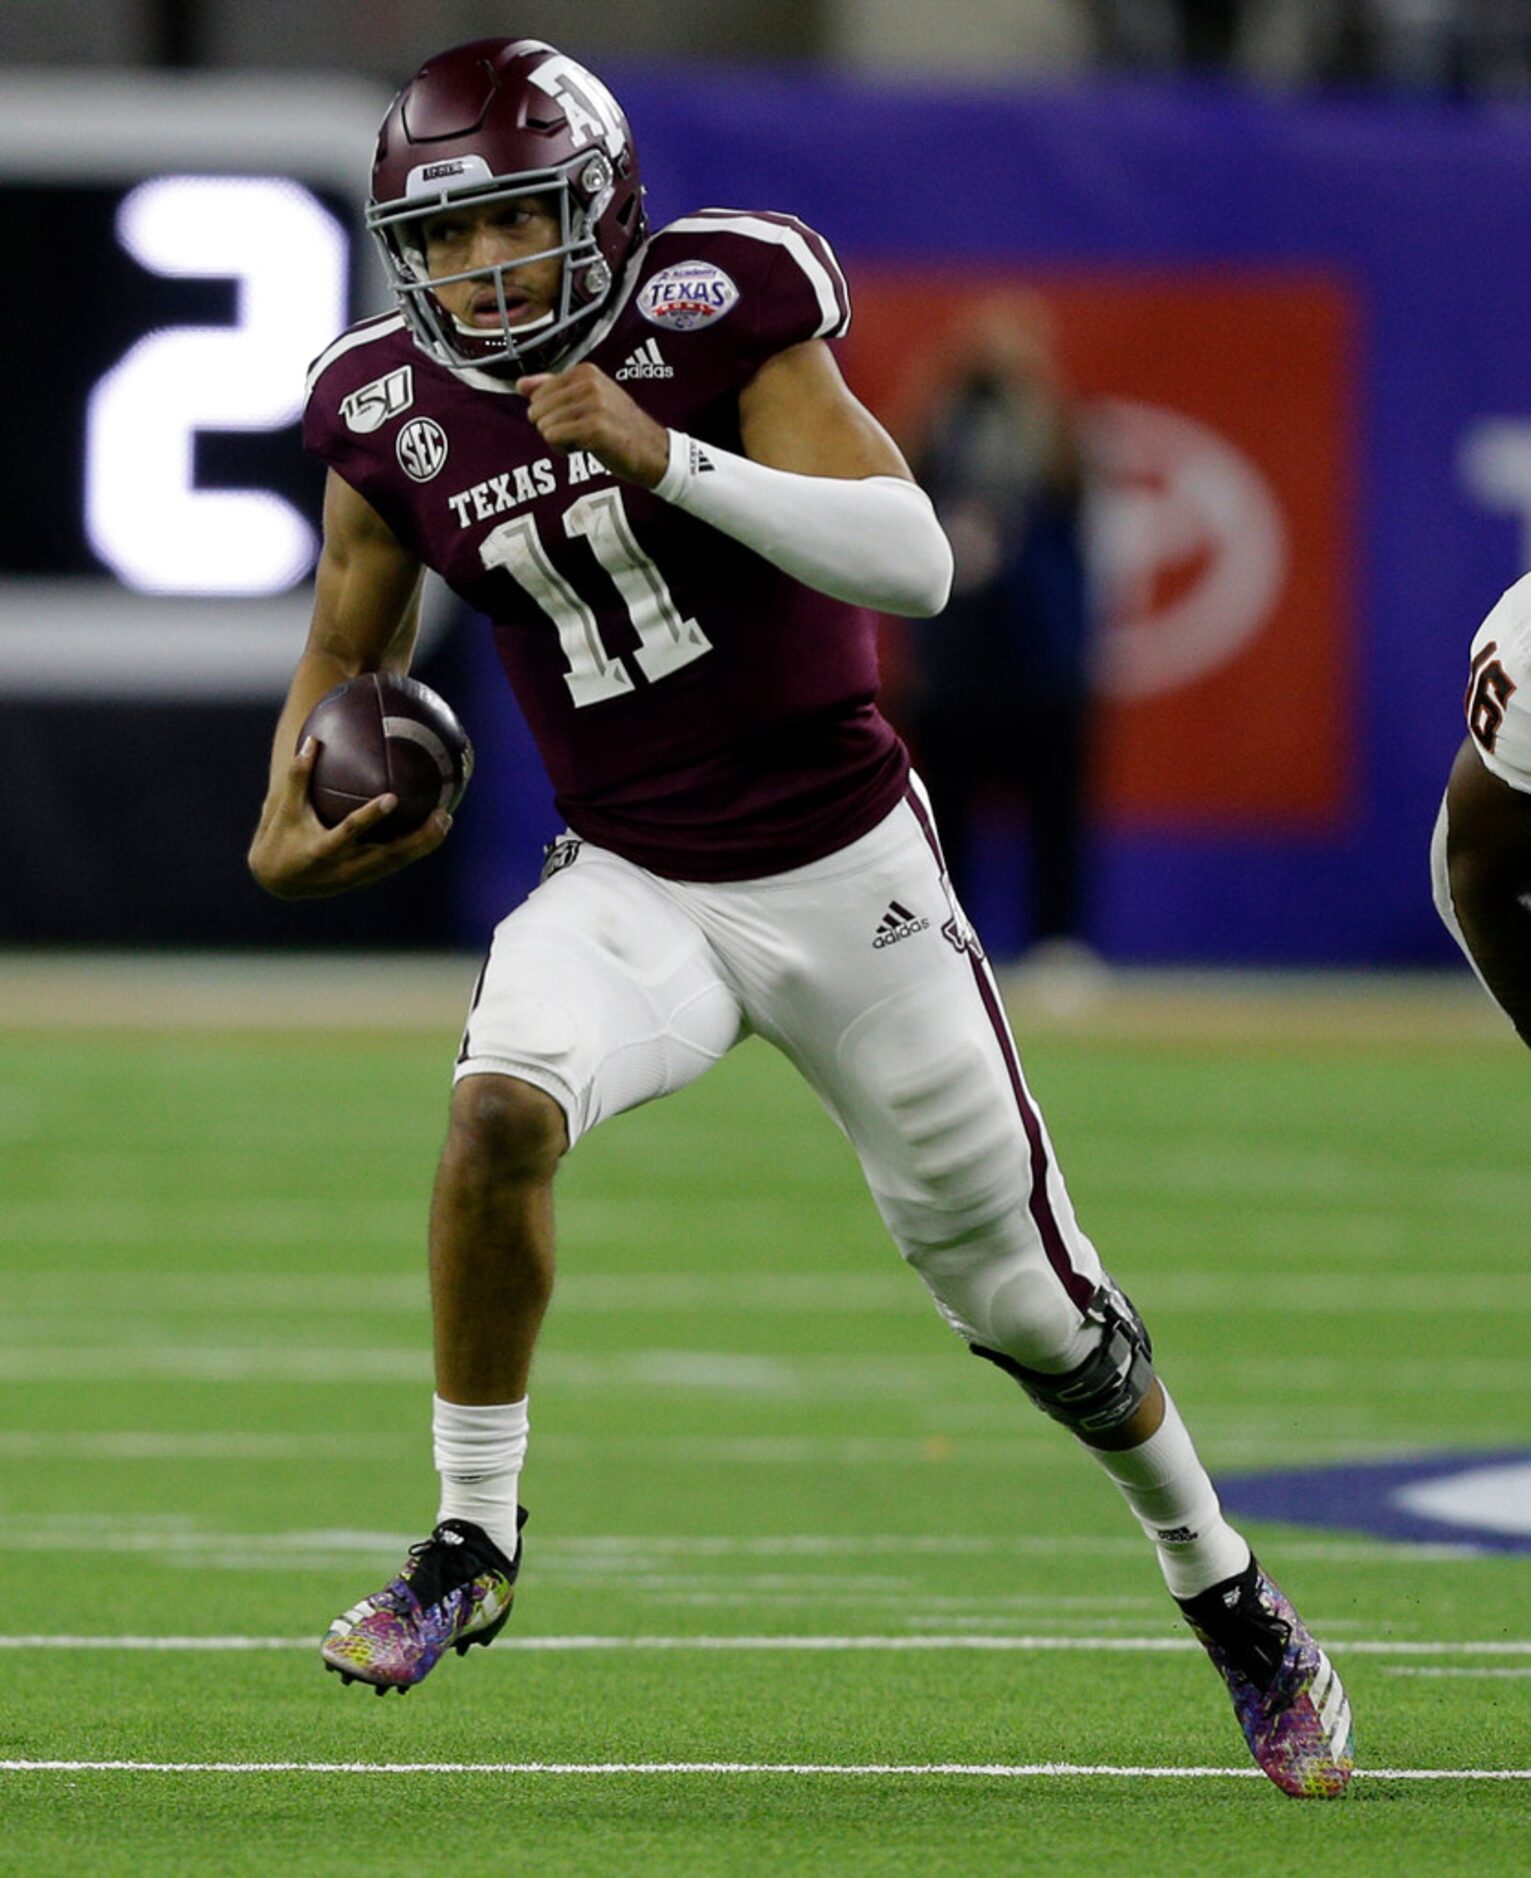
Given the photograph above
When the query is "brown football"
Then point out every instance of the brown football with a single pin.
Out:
(383, 733)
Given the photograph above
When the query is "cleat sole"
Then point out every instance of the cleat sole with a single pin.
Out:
(486, 1636)
(379, 1688)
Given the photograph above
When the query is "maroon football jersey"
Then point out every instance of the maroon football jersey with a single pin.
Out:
(699, 711)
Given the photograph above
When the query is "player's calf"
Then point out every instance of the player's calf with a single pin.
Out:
(1103, 1393)
(1117, 1406)
(1290, 1704)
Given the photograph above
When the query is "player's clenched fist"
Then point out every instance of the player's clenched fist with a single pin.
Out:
(583, 409)
(295, 857)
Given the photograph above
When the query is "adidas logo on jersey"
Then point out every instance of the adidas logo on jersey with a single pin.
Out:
(646, 362)
(898, 923)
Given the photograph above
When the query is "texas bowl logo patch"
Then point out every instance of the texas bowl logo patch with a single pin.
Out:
(421, 448)
(688, 295)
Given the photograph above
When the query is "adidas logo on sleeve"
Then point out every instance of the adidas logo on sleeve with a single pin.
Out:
(646, 362)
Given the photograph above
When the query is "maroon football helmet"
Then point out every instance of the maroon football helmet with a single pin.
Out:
(484, 122)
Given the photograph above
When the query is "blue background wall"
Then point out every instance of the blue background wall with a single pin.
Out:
(1425, 210)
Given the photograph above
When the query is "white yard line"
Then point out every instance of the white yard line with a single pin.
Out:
(697, 1372)
(153, 1445)
(674, 1450)
(934, 1448)
(1417, 1669)
(1117, 1645)
(1037, 1770)
(34, 1299)
(802, 1379)
(178, 1539)
(878, 1288)
(209, 1364)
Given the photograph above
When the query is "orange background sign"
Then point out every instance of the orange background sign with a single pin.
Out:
(1233, 500)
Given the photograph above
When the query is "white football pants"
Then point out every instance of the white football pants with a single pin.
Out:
(609, 986)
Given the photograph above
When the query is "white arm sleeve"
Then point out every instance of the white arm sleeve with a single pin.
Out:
(872, 540)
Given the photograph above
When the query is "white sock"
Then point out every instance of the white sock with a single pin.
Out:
(1176, 1504)
(479, 1452)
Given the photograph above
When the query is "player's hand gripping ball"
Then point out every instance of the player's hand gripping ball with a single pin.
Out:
(383, 734)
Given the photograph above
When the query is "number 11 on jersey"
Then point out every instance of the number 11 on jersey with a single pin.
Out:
(666, 640)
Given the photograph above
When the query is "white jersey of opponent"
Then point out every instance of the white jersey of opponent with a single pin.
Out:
(1498, 701)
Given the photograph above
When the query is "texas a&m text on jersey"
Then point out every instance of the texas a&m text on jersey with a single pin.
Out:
(652, 655)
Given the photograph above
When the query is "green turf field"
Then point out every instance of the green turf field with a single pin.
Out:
(785, 1531)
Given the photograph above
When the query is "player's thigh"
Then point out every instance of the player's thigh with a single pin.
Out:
(908, 1045)
(600, 991)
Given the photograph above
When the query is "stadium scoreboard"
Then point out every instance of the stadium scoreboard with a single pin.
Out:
(178, 251)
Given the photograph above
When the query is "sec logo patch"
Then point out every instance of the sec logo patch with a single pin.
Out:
(688, 295)
(421, 448)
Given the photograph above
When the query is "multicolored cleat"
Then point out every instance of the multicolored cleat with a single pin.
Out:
(455, 1590)
(1290, 1703)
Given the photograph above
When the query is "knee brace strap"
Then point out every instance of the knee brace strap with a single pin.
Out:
(1108, 1386)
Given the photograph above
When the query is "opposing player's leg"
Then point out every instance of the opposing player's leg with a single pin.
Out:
(598, 994)
(896, 1020)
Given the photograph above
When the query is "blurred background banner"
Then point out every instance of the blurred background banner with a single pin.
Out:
(1216, 417)
(1292, 324)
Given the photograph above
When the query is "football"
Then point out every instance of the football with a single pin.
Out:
(383, 733)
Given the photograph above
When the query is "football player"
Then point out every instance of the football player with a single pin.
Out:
(1481, 854)
(633, 451)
